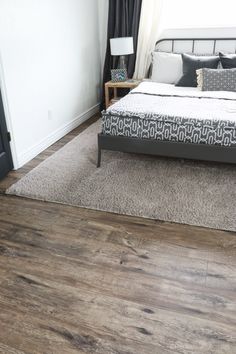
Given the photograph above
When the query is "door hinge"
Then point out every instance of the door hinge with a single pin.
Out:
(9, 136)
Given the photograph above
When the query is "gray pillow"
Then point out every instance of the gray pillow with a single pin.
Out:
(216, 79)
(191, 63)
(228, 61)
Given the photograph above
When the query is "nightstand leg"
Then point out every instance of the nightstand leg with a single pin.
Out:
(107, 98)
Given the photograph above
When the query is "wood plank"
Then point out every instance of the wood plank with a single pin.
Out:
(74, 280)
(103, 272)
(221, 275)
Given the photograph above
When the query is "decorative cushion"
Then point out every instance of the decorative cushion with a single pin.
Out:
(216, 79)
(167, 68)
(228, 61)
(191, 63)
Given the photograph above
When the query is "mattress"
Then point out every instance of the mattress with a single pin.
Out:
(168, 113)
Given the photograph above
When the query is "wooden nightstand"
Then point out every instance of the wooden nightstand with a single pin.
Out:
(116, 85)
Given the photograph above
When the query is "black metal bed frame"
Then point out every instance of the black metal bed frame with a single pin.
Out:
(168, 148)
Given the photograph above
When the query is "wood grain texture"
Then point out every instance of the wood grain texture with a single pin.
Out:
(80, 281)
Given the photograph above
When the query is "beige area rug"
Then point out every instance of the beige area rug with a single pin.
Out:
(171, 190)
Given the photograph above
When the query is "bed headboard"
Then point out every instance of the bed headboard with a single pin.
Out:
(197, 45)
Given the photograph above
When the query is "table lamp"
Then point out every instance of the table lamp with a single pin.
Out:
(121, 47)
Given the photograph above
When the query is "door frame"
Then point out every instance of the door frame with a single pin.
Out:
(8, 115)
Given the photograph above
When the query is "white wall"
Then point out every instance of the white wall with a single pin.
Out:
(214, 32)
(200, 13)
(50, 69)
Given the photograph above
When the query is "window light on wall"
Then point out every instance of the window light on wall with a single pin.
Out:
(201, 13)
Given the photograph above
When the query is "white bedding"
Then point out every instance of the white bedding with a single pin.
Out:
(155, 88)
(185, 102)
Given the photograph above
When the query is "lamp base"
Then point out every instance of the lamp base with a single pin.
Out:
(122, 62)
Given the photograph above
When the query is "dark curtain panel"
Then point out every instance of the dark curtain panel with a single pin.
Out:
(123, 21)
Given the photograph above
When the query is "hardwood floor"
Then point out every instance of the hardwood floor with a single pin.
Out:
(81, 281)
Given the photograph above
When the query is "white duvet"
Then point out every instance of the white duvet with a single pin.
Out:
(164, 99)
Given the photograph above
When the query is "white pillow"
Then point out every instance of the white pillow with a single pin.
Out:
(166, 67)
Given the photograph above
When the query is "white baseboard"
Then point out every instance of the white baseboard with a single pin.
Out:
(55, 136)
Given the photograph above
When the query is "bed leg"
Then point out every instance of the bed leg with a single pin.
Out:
(99, 157)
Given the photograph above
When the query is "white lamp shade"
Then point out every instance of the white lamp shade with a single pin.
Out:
(122, 46)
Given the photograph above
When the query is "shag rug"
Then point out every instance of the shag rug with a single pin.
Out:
(185, 192)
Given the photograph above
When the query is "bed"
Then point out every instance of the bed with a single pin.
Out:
(181, 122)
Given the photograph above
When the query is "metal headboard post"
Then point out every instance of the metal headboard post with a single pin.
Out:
(193, 40)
